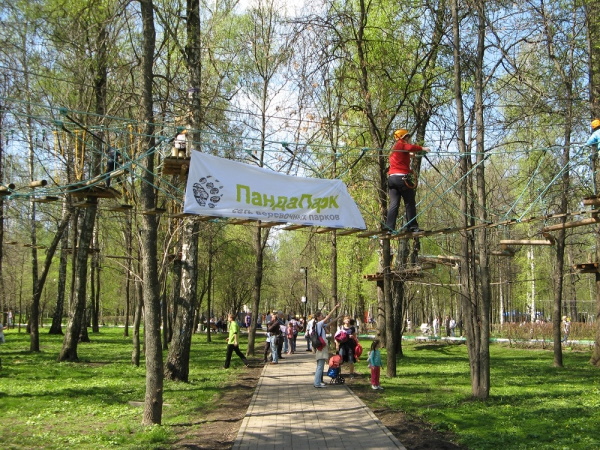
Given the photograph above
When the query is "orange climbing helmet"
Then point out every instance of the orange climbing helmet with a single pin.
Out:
(401, 133)
(595, 124)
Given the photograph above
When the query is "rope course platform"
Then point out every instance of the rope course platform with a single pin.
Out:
(176, 166)
(408, 235)
(587, 268)
(508, 251)
(406, 274)
(93, 191)
(507, 242)
(45, 199)
(285, 226)
(579, 223)
(452, 261)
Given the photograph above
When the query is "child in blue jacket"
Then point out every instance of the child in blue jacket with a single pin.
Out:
(374, 361)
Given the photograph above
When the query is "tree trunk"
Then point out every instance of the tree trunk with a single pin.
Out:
(95, 284)
(34, 317)
(129, 240)
(178, 359)
(256, 291)
(4, 304)
(388, 294)
(76, 315)
(137, 321)
(148, 234)
(593, 26)
(56, 327)
(478, 339)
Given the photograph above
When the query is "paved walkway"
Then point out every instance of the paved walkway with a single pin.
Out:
(287, 412)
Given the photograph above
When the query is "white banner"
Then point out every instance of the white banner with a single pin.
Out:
(224, 188)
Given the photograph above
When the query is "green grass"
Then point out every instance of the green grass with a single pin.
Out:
(532, 405)
(45, 404)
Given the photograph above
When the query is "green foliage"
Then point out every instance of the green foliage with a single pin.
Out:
(97, 403)
(532, 404)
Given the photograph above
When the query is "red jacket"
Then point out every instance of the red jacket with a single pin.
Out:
(400, 156)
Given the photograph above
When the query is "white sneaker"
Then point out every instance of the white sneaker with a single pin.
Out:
(323, 384)
(380, 388)
(320, 385)
(374, 387)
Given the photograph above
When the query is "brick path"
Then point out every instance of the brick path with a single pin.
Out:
(287, 412)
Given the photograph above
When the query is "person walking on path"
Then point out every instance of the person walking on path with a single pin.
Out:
(233, 344)
(321, 355)
(307, 330)
(399, 183)
(374, 362)
(274, 330)
(566, 327)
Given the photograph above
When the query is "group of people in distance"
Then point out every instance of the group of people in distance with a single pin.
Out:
(283, 331)
(402, 186)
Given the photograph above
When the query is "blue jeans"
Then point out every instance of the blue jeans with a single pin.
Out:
(273, 340)
(319, 371)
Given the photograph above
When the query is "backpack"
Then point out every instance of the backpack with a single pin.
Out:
(317, 341)
(335, 361)
(358, 351)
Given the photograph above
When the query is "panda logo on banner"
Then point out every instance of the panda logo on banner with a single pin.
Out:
(207, 192)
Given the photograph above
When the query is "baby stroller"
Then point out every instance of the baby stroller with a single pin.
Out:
(334, 372)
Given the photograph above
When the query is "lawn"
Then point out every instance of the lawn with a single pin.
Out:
(96, 403)
(532, 405)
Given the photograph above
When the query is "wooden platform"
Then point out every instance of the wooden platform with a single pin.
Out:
(93, 191)
(411, 272)
(452, 261)
(506, 242)
(587, 268)
(176, 166)
(121, 208)
(509, 252)
(45, 199)
(594, 200)
(579, 223)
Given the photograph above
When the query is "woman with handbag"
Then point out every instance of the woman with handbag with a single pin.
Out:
(321, 351)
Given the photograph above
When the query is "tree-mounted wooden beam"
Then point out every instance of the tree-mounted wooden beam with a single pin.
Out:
(121, 208)
(592, 201)
(84, 204)
(505, 252)
(452, 261)
(45, 199)
(7, 190)
(527, 242)
(154, 211)
(587, 267)
(38, 183)
(578, 223)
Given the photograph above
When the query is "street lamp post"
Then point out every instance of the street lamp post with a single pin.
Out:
(305, 297)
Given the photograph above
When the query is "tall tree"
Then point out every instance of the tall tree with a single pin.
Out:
(593, 27)
(98, 29)
(148, 234)
(266, 53)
